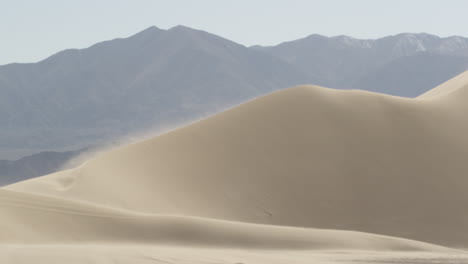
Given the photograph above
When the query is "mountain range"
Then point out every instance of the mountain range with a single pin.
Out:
(404, 65)
(159, 78)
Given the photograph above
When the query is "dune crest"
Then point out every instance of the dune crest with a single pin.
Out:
(458, 83)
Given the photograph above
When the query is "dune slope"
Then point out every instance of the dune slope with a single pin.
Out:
(458, 83)
(58, 221)
(302, 157)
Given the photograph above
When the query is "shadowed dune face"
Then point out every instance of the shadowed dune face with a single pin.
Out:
(304, 157)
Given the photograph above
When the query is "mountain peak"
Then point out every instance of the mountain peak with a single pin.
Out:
(181, 28)
(149, 30)
(416, 35)
(353, 42)
(147, 33)
(314, 36)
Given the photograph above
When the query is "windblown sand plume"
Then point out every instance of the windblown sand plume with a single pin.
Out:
(289, 171)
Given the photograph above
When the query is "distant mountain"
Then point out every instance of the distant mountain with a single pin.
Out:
(389, 78)
(409, 63)
(35, 165)
(77, 98)
(159, 78)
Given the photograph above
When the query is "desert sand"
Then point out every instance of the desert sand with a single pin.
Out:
(301, 175)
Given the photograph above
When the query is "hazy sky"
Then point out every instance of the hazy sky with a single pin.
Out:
(31, 30)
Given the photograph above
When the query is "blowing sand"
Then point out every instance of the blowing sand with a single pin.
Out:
(304, 174)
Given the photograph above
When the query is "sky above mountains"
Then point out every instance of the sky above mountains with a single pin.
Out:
(32, 30)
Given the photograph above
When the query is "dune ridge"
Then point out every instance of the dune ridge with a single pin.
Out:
(458, 83)
(303, 168)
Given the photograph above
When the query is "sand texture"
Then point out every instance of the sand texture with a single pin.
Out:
(304, 175)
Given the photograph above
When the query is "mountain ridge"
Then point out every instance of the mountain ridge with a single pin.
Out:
(346, 62)
(78, 89)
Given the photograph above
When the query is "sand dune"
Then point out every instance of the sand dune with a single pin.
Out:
(58, 221)
(271, 171)
(457, 84)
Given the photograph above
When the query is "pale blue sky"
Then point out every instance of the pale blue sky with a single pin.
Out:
(31, 30)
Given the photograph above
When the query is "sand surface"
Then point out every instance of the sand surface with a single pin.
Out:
(304, 175)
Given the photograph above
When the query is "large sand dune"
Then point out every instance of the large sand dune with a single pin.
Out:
(66, 222)
(265, 175)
